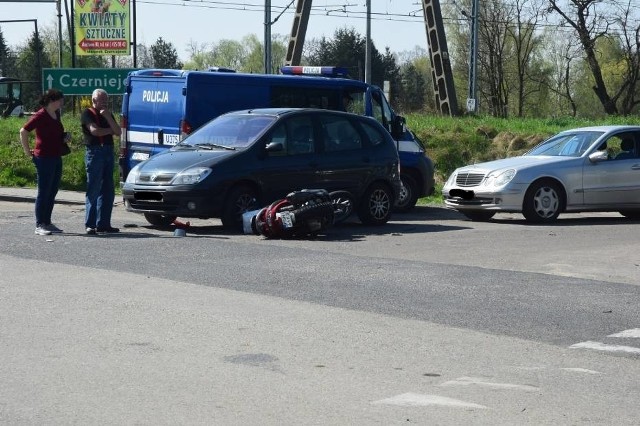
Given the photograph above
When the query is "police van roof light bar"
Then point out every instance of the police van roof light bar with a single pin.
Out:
(321, 71)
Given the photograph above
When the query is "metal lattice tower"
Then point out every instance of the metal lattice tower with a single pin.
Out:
(446, 101)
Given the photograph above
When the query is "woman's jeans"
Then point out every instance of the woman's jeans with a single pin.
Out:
(48, 176)
(99, 160)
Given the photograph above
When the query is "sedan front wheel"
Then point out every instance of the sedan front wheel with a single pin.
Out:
(543, 202)
(478, 215)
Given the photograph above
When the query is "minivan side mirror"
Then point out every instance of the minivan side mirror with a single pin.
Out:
(397, 127)
(274, 147)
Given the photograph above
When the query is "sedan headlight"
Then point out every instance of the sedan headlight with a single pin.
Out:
(498, 179)
(451, 180)
(191, 176)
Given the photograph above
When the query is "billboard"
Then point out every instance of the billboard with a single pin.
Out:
(102, 27)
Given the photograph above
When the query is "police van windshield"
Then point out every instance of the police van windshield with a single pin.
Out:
(229, 131)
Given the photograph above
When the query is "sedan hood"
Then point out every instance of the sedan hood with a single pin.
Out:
(519, 163)
(176, 161)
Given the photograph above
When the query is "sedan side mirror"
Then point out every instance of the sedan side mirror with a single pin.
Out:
(598, 156)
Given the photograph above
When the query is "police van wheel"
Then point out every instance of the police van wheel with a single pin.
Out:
(408, 194)
(240, 199)
(160, 220)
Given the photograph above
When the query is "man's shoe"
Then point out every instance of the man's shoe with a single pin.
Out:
(40, 230)
(107, 230)
(51, 227)
(91, 231)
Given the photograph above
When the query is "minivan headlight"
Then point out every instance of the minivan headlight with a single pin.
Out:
(191, 176)
(132, 177)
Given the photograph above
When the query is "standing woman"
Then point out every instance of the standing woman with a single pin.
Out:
(47, 156)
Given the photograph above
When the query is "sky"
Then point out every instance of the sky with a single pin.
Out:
(396, 24)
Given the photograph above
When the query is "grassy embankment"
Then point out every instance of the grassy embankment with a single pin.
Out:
(454, 142)
(450, 142)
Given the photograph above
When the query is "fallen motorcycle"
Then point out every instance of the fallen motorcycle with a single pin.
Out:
(302, 213)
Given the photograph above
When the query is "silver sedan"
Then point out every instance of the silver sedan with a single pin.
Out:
(578, 170)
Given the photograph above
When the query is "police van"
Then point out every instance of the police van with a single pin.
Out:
(161, 107)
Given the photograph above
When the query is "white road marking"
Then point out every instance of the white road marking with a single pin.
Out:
(633, 333)
(419, 400)
(597, 346)
(466, 381)
(581, 370)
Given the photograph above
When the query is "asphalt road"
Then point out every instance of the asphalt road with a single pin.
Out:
(430, 319)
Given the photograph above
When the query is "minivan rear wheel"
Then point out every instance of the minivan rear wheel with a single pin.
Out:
(376, 205)
(241, 199)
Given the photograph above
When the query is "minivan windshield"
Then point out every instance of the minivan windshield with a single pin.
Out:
(566, 144)
(229, 132)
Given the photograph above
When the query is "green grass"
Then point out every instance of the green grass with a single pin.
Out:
(451, 142)
(455, 141)
(17, 170)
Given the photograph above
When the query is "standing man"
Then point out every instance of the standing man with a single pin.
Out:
(99, 126)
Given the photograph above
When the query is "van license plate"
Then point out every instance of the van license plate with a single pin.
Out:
(140, 156)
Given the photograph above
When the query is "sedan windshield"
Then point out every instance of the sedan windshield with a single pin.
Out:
(228, 132)
(566, 144)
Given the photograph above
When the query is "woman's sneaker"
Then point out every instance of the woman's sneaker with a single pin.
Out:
(91, 231)
(41, 230)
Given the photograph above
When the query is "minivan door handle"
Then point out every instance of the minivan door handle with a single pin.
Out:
(161, 137)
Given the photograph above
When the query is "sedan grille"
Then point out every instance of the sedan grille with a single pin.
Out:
(469, 179)
(155, 178)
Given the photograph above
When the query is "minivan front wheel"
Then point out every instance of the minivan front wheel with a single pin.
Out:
(376, 205)
(241, 199)
(160, 220)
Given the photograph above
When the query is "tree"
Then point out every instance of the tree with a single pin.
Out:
(413, 88)
(144, 58)
(525, 43)
(593, 20)
(246, 55)
(165, 55)
(347, 49)
(7, 58)
(562, 55)
(495, 18)
(31, 61)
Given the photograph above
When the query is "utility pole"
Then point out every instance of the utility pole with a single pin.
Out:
(367, 49)
(59, 8)
(472, 99)
(267, 36)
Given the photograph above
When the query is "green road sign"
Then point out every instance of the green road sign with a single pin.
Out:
(83, 81)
